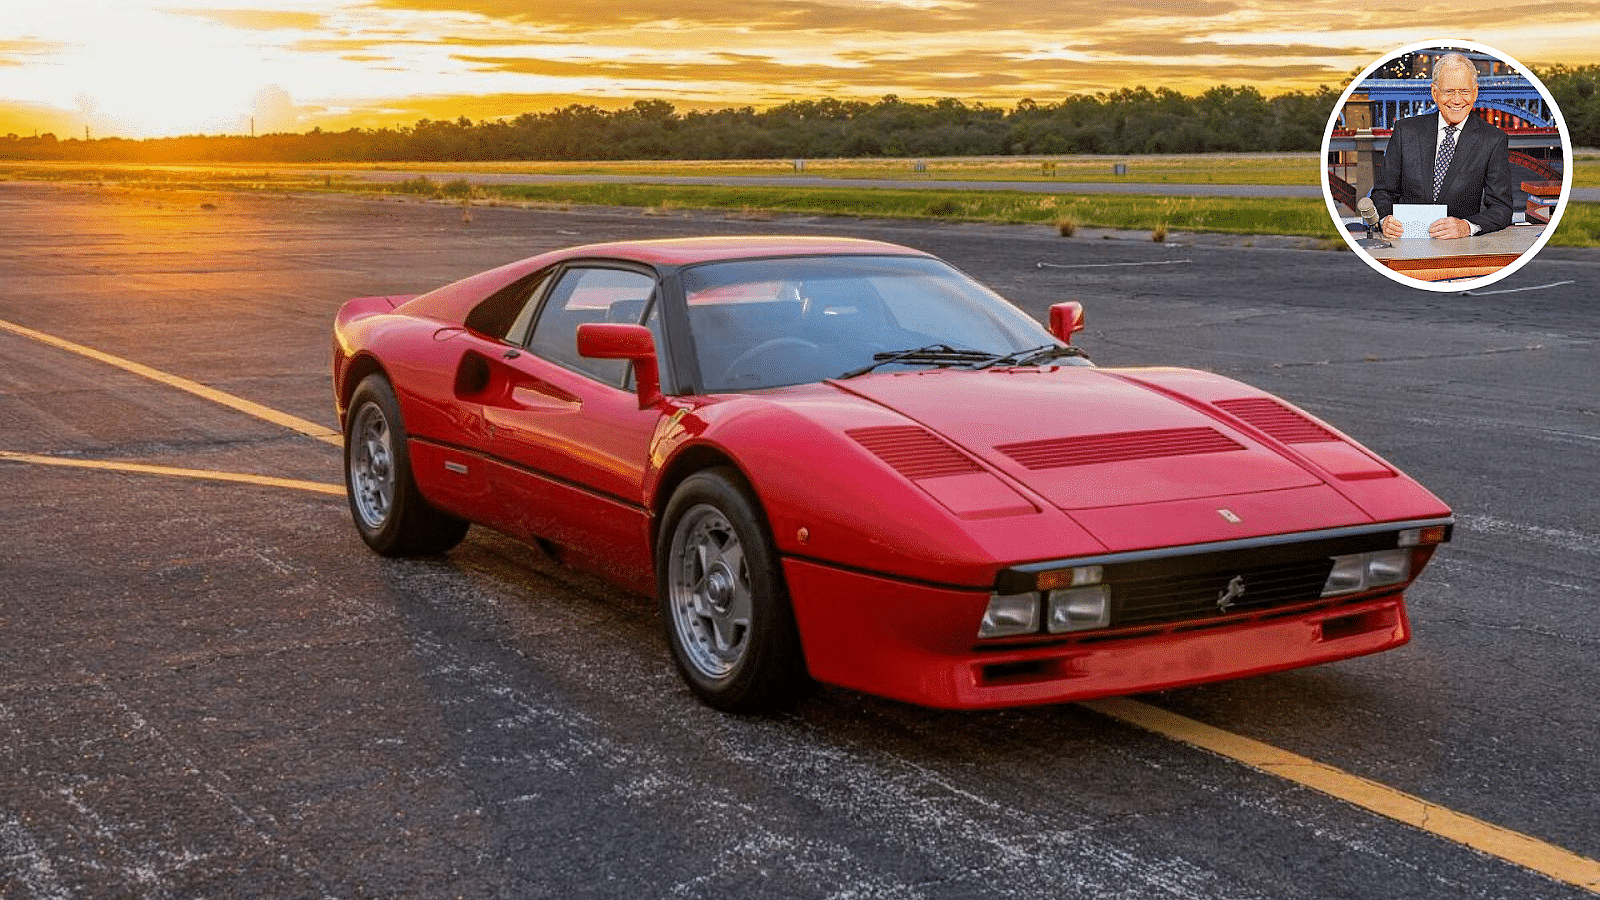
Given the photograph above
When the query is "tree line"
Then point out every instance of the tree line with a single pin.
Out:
(1126, 121)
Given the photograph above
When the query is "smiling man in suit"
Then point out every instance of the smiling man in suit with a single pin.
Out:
(1450, 157)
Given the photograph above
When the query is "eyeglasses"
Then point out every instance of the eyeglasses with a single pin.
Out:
(1453, 93)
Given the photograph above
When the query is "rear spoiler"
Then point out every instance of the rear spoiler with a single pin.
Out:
(361, 307)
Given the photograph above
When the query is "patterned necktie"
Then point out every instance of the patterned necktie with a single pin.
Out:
(1447, 149)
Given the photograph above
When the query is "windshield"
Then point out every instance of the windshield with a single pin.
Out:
(773, 322)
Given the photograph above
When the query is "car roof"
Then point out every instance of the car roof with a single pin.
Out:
(686, 251)
(452, 301)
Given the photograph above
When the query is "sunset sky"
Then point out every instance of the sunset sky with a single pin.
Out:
(140, 68)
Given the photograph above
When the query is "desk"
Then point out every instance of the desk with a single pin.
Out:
(1542, 198)
(1426, 259)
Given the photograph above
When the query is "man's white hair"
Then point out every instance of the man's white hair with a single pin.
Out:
(1454, 61)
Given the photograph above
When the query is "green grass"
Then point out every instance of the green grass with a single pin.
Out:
(173, 177)
(1227, 168)
(1135, 212)
(1579, 227)
(1220, 168)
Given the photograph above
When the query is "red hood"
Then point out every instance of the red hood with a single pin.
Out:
(1058, 463)
(1084, 438)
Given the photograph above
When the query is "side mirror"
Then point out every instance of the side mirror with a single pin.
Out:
(1066, 320)
(635, 343)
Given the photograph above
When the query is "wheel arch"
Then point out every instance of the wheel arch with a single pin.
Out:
(356, 371)
(772, 672)
(688, 461)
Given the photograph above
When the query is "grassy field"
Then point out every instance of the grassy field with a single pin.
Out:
(1133, 212)
(1219, 168)
(1228, 168)
(1309, 218)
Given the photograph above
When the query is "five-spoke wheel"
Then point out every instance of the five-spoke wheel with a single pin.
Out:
(723, 601)
(371, 466)
(710, 588)
(390, 513)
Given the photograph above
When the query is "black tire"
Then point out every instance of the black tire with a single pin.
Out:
(389, 511)
(724, 604)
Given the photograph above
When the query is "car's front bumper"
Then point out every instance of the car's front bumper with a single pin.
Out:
(917, 643)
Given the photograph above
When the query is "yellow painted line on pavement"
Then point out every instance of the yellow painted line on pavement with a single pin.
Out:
(293, 423)
(1511, 846)
(173, 472)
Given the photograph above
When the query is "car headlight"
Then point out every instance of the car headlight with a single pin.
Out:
(1079, 609)
(1365, 571)
(1010, 614)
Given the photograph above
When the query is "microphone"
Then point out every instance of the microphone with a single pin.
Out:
(1369, 216)
(1368, 211)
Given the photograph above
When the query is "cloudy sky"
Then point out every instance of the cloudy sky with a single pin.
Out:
(142, 68)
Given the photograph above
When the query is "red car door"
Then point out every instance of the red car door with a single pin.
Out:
(569, 442)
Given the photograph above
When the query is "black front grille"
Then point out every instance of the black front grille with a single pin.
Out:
(1166, 589)
(1144, 598)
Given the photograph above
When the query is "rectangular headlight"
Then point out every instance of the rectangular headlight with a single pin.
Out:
(1388, 567)
(1079, 609)
(1348, 575)
(1363, 571)
(1010, 614)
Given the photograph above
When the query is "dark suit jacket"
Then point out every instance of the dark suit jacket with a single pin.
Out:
(1477, 187)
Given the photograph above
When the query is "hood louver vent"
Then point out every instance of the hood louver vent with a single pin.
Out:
(1110, 448)
(1277, 420)
(914, 452)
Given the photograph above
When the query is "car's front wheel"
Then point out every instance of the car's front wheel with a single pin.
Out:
(389, 511)
(723, 600)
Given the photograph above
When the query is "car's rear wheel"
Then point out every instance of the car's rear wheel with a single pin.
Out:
(723, 601)
(389, 511)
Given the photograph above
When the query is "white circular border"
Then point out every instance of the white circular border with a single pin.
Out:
(1471, 283)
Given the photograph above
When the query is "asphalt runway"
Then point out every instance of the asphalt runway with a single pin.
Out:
(210, 688)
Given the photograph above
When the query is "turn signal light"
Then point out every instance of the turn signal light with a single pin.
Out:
(1424, 537)
(1077, 576)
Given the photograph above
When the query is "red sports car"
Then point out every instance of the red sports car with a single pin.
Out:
(845, 461)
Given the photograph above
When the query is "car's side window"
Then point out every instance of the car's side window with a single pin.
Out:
(527, 305)
(589, 294)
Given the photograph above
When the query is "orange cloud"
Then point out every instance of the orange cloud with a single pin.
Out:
(255, 19)
(163, 67)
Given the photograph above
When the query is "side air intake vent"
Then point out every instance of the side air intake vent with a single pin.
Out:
(914, 452)
(1058, 453)
(1277, 420)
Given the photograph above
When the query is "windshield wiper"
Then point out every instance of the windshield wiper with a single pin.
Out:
(932, 354)
(1033, 356)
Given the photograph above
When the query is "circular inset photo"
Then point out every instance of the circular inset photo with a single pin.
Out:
(1447, 165)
